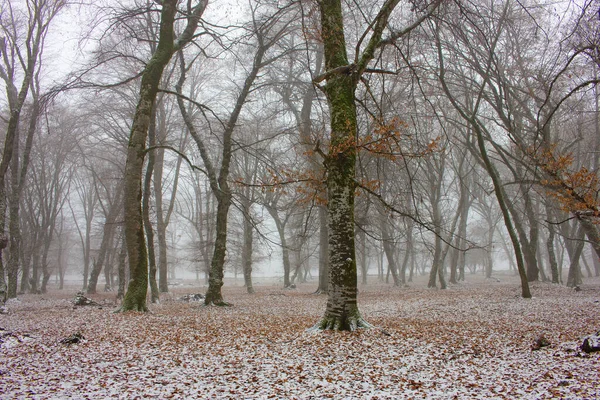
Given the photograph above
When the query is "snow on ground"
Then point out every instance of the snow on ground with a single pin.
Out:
(472, 341)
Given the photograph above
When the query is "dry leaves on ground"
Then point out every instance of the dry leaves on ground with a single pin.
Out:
(474, 340)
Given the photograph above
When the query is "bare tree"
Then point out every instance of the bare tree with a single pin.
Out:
(23, 32)
(267, 31)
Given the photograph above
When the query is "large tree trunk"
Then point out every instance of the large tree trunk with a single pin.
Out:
(168, 44)
(135, 298)
(342, 311)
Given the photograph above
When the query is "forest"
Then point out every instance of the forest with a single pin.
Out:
(216, 185)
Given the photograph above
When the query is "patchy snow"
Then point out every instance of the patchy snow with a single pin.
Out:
(473, 341)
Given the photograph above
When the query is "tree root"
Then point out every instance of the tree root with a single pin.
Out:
(134, 309)
(341, 323)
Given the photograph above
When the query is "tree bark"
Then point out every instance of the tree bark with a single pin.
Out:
(168, 44)
(248, 244)
(574, 277)
(341, 312)
(323, 251)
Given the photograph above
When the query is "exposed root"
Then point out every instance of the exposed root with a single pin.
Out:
(341, 323)
(121, 309)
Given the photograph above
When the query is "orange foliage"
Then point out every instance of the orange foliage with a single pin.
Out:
(576, 191)
(386, 141)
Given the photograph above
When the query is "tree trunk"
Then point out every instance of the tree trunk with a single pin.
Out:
(323, 251)
(135, 298)
(574, 277)
(162, 220)
(388, 249)
(122, 268)
(285, 251)
(341, 312)
(363, 257)
(3, 286)
(248, 244)
(155, 296)
(550, 247)
(109, 227)
(168, 44)
(215, 276)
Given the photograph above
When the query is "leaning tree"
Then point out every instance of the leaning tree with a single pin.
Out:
(168, 44)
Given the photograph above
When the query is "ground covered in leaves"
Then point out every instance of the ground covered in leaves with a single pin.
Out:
(478, 339)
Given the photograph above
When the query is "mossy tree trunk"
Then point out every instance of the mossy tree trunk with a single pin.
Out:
(147, 193)
(342, 78)
(342, 311)
(168, 44)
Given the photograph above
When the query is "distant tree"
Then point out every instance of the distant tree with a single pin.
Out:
(23, 30)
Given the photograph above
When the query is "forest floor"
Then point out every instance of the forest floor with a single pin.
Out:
(473, 340)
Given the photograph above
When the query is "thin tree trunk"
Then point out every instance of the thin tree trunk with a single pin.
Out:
(154, 296)
(363, 257)
(498, 188)
(248, 244)
(323, 251)
(109, 227)
(574, 277)
(550, 247)
(389, 250)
